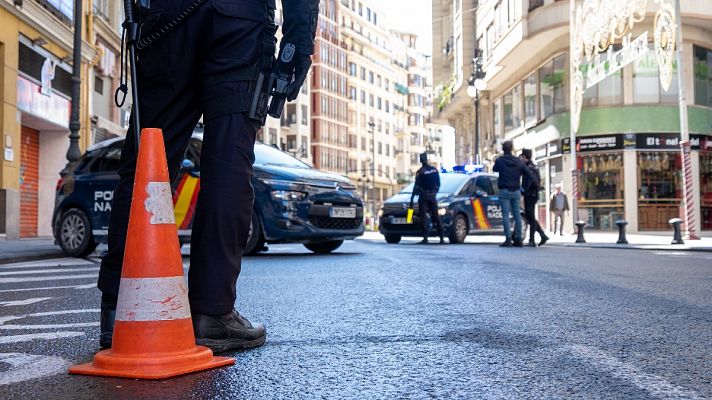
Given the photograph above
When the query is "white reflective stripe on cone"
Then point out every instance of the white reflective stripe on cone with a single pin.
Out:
(152, 299)
(159, 203)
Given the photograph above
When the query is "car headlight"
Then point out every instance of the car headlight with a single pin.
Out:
(442, 211)
(288, 195)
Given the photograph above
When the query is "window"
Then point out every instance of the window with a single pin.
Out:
(370, 76)
(513, 109)
(109, 161)
(482, 183)
(352, 69)
(305, 115)
(552, 86)
(702, 64)
(646, 81)
(99, 85)
(352, 95)
(496, 117)
(607, 92)
(363, 97)
(530, 99)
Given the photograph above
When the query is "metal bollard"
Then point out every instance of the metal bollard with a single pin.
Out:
(677, 236)
(580, 225)
(621, 231)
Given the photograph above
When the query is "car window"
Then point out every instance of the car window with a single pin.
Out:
(108, 161)
(468, 189)
(493, 182)
(483, 183)
(268, 155)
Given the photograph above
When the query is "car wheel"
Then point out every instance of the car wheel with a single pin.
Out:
(324, 247)
(255, 242)
(74, 233)
(393, 239)
(458, 231)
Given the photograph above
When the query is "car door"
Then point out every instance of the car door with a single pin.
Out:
(494, 208)
(102, 179)
(484, 203)
(185, 189)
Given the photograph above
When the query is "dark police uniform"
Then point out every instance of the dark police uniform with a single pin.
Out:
(427, 184)
(205, 66)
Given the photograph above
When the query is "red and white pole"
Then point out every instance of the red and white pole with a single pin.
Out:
(686, 147)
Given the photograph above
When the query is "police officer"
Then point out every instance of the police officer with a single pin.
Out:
(207, 65)
(427, 184)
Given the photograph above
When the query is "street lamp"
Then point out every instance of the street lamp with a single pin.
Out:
(476, 85)
(73, 152)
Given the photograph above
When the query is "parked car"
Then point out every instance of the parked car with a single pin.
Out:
(467, 203)
(293, 201)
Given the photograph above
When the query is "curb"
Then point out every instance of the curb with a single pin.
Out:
(653, 247)
(31, 257)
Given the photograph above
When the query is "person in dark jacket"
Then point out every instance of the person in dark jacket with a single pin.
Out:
(207, 65)
(530, 190)
(427, 184)
(510, 169)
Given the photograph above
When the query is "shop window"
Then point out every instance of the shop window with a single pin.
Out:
(601, 189)
(607, 92)
(659, 189)
(702, 64)
(706, 189)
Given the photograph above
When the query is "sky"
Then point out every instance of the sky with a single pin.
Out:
(413, 16)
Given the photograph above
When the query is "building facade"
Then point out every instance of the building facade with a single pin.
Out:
(36, 38)
(628, 156)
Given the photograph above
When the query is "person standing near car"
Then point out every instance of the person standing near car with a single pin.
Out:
(207, 64)
(427, 184)
(530, 191)
(559, 206)
(510, 169)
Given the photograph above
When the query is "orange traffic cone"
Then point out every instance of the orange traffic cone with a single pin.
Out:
(153, 333)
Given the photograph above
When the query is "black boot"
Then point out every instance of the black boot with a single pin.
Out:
(506, 243)
(544, 239)
(531, 243)
(106, 324)
(227, 332)
(424, 241)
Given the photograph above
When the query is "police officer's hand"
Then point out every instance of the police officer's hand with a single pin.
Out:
(302, 62)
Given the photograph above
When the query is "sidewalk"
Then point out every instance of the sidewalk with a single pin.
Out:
(606, 240)
(28, 250)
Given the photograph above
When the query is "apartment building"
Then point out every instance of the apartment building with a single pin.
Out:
(628, 157)
(36, 41)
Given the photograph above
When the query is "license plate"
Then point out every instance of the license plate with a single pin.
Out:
(339, 212)
(400, 221)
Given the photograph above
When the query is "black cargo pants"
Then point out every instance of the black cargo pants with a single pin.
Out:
(428, 204)
(221, 36)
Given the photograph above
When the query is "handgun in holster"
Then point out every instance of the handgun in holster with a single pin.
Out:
(271, 86)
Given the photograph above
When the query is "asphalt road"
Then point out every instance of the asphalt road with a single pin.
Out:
(402, 321)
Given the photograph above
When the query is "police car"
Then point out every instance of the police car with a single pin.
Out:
(467, 204)
(293, 201)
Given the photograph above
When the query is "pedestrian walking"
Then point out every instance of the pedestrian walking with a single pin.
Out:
(427, 184)
(204, 58)
(559, 206)
(530, 191)
(510, 169)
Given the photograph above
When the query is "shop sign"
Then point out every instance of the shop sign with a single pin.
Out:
(565, 145)
(540, 152)
(51, 107)
(658, 141)
(629, 141)
(632, 50)
(701, 142)
(555, 148)
(599, 143)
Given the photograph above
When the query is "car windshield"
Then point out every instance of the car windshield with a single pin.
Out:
(268, 155)
(449, 183)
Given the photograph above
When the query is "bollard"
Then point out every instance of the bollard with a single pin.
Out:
(677, 236)
(621, 231)
(580, 225)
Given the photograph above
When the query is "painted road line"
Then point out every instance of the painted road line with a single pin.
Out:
(24, 367)
(48, 271)
(87, 286)
(7, 318)
(49, 326)
(25, 302)
(62, 262)
(657, 386)
(46, 278)
(36, 336)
